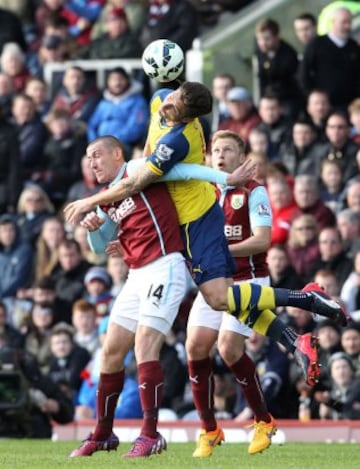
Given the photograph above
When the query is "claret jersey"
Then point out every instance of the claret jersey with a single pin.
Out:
(243, 211)
(148, 225)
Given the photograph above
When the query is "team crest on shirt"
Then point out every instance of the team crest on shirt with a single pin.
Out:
(237, 201)
(163, 152)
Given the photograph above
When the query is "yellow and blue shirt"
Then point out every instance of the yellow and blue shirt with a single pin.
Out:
(183, 143)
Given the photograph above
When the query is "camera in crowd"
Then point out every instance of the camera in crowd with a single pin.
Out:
(14, 395)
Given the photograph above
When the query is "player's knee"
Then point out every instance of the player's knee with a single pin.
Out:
(196, 350)
(230, 350)
(230, 355)
(112, 359)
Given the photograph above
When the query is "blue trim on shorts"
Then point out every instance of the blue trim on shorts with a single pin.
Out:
(206, 247)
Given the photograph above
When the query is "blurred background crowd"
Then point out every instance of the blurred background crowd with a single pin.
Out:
(301, 122)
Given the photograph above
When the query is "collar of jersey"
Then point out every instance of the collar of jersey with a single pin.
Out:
(119, 175)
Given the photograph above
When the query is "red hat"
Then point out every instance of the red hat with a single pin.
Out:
(116, 13)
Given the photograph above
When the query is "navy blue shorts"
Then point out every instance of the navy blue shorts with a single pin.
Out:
(206, 248)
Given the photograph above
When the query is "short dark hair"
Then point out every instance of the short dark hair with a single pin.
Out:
(307, 17)
(268, 24)
(110, 142)
(197, 98)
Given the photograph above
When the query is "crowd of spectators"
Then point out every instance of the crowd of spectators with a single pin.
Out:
(305, 133)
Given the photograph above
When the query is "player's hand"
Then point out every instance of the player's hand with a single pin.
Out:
(92, 221)
(243, 174)
(75, 211)
(113, 249)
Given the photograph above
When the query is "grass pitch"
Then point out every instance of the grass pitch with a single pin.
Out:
(41, 454)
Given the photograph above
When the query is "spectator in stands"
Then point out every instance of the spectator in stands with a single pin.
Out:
(282, 273)
(80, 235)
(9, 334)
(11, 30)
(45, 10)
(85, 328)
(262, 163)
(331, 177)
(97, 284)
(85, 186)
(118, 42)
(328, 282)
(272, 365)
(136, 11)
(43, 292)
(305, 28)
(118, 271)
(36, 88)
(16, 257)
(51, 24)
(13, 63)
(277, 66)
(77, 95)
(210, 11)
(352, 194)
(301, 321)
(302, 245)
(221, 84)
(278, 170)
(81, 15)
(350, 291)
(32, 133)
(348, 223)
(37, 338)
(307, 198)
(6, 94)
(339, 145)
(11, 177)
(62, 155)
(354, 115)
(176, 21)
(51, 235)
(259, 143)
(123, 111)
(283, 208)
(67, 359)
(333, 256)
(243, 114)
(53, 48)
(302, 153)
(329, 342)
(69, 274)
(274, 123)
(332, 62)
(350, 342)
(33, 208)
(318, 109)
(341, 400)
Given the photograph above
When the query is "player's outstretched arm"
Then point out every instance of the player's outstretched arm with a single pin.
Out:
(122, 189)
(190, 171)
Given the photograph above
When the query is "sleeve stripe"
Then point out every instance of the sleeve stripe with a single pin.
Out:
(154, 169)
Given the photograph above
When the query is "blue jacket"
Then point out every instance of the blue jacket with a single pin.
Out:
(124, 117)
(15, 267)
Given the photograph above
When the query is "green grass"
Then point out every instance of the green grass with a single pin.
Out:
(35, 454)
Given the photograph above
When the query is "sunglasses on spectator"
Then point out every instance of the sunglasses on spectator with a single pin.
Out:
(305, 227)
(33, 199)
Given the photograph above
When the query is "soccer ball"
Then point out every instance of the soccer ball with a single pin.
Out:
(163, 60)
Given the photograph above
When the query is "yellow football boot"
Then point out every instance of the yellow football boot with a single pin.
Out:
(207, 442)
